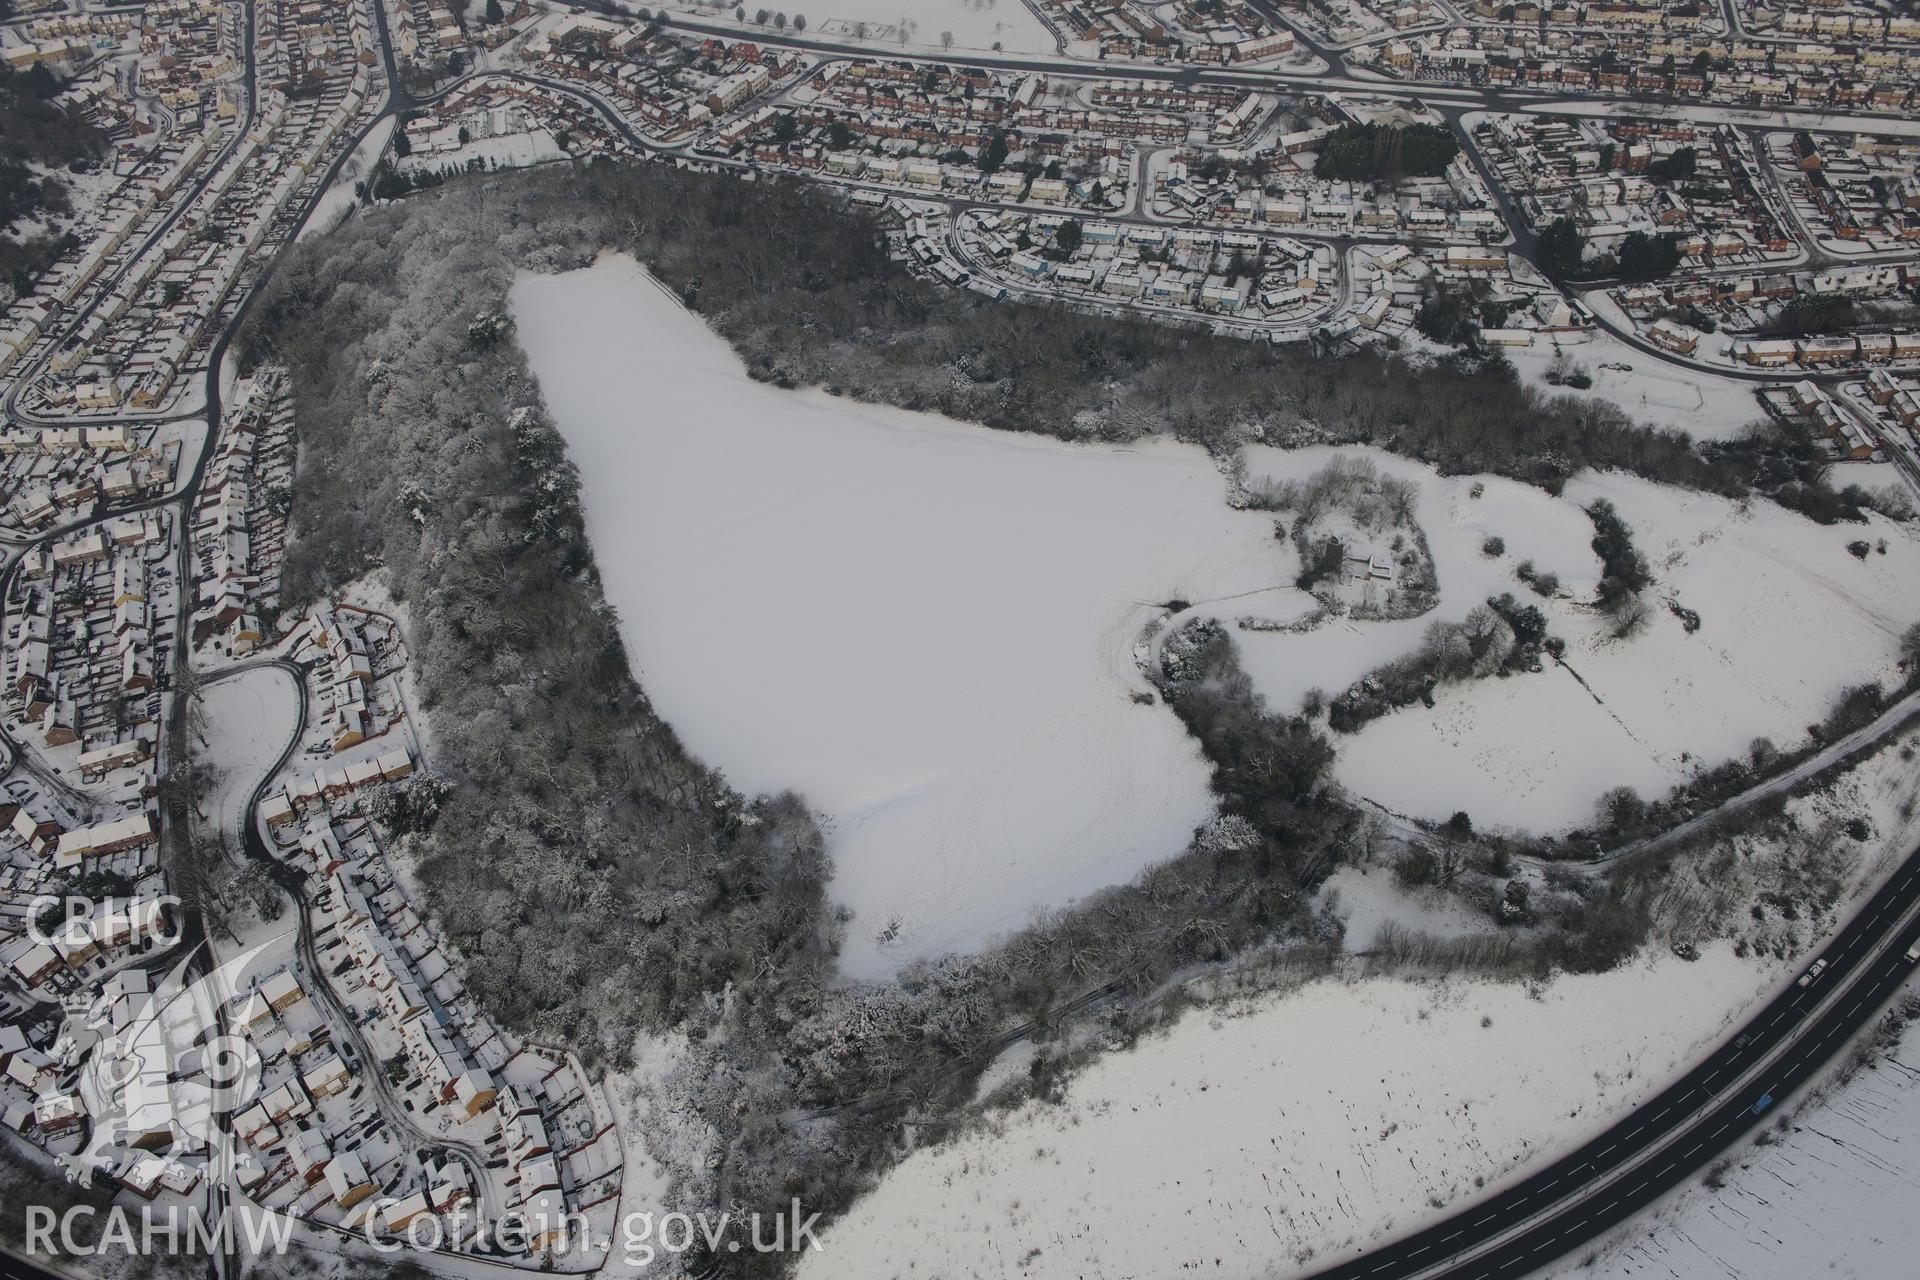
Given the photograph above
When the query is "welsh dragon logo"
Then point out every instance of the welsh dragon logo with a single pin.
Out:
(164, 1071)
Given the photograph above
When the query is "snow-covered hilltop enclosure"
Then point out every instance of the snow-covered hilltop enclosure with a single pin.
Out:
(928, 629)
(933, 631)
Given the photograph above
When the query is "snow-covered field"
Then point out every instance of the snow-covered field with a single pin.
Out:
(1295, 1130)
(1696, 401)
(1788, 618)
(1283, 1132)
(929, 629)
(508, 151)
(1554, 535)
(1704, 404)
(1366, 899)
(248, 719)
(926, 628)
(1834, 1197)
(974, 24)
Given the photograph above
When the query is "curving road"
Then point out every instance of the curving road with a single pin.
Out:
(101, 289)
(1431, 92)
(294, 883)
(1522, 241)
(1647, 1152)
(194, 941)
(1666, 1140)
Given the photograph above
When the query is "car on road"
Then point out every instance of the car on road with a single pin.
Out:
(1812, 975)
(1766, 1100)
(1913, 953)
(1745, 1039)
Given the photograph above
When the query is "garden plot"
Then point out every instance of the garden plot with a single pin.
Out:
(926, 628)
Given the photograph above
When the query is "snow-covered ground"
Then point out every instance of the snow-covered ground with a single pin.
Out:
(248, 719)
(1291, 1131)
(661, 1134)
(1833, 1196)
(926, 628)
(337, 203)
(1702, 404)
(973, 24)
(1554, 535)
(508, 151)
(1788, 618)
(1283, 1132)
(1366, 899)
